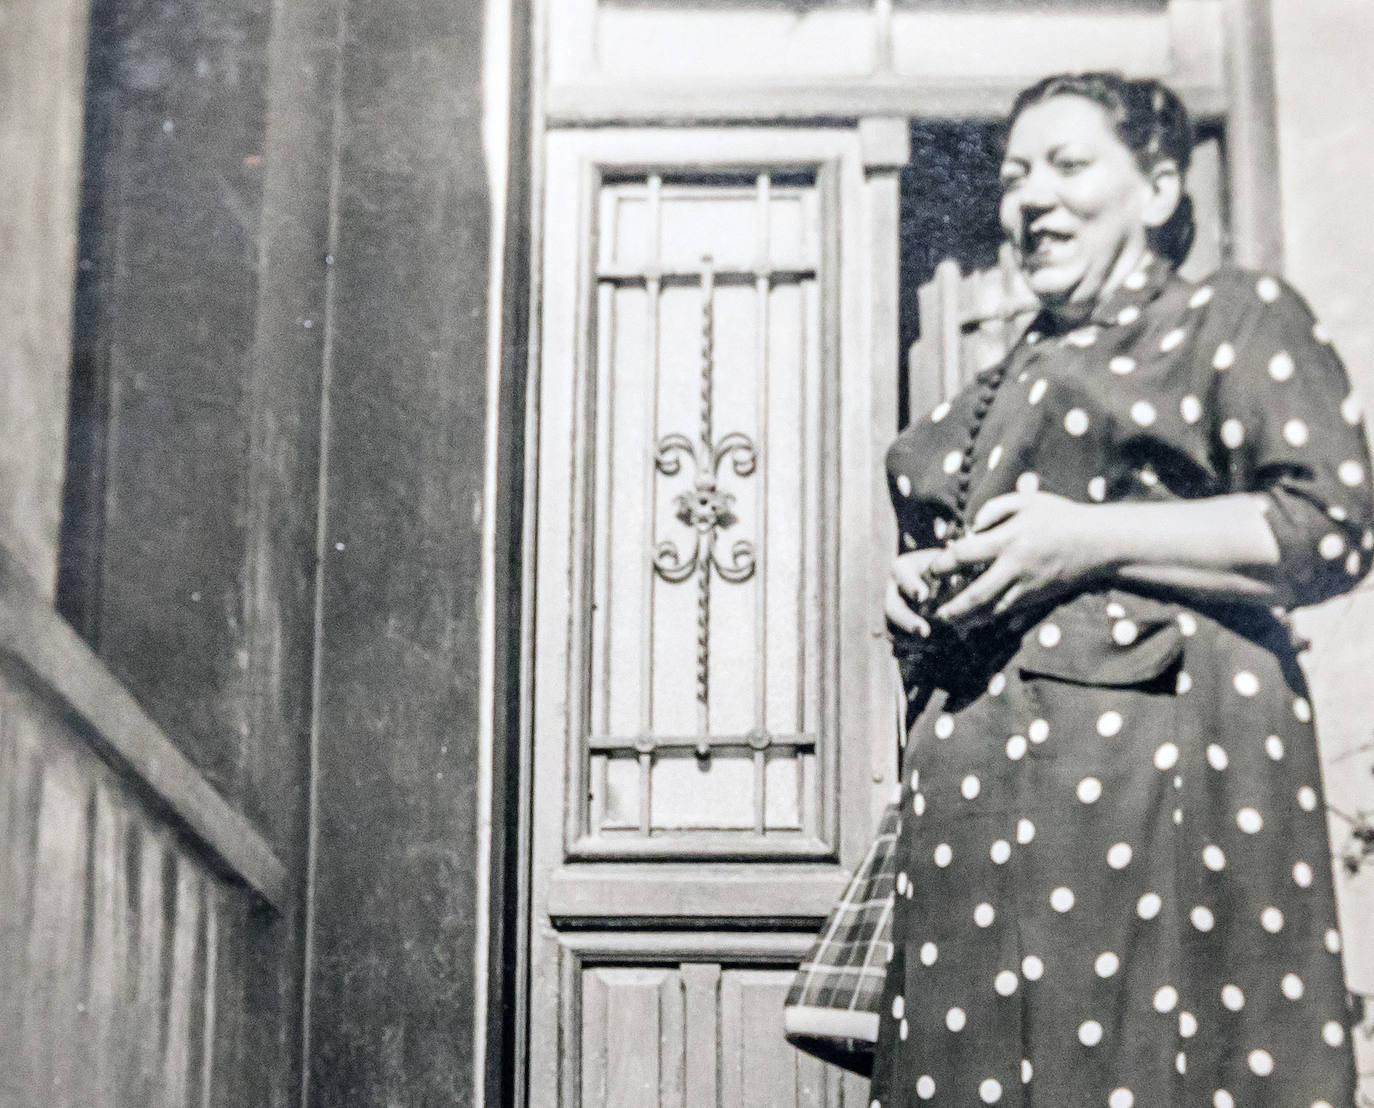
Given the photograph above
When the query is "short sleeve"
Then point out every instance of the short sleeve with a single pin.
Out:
(1287, 425)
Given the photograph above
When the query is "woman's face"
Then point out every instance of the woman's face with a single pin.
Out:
(1075, 204)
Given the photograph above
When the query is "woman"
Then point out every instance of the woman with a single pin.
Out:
(1114, 881)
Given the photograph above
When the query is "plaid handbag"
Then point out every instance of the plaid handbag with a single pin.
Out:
(831, 1010)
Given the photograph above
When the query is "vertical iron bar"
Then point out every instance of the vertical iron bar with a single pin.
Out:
(762, 290)
(653, 291)
(705, 469)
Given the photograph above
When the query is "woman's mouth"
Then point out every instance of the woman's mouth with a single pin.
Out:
(1046, 244)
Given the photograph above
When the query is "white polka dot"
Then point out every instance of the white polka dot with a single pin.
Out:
(1027, 1071)
(1352, 564)
(1000, 852)
(995, 458)
(915, 778)
(1216, 757)
(1232, 998)
(925, 1087)
(1187, 1025)
(1149, 906)
(983, 915)
(1136, 280)
(1201, 298)
(1292, 986)
(1281, 366)
(1302, 875)
(941, 528)
(1128, 315)
(1038, 731)
(1025, 831)
(1331, 547)
(1187, 623)
(1124, 632)
(1106, 964)
(1006, 983)
(1166, 757)
(1121, 1098)
(908, 541)
(941, 410)
(990, 1091)
(1032, 968)
(997, 684)
(1097, 489)
(1202, 918)
(1333, 1033)
(1350, 473)
(929, 953)
(1016, 747)
(1109, 724)
(1119, 856)
(1249, 820)
(1268, 289)
(1271, 919)
(956, 1019)
(1181, 1062)
(1076, 422)
(1090, 790)
(1148, 476)
(1143, 412)
(1225, 357)
(944, 726)
(1166, 999)
(918, 804)
(1172, 340)
(1302, 708)
(1261, 1063)
(1178, 815)
(1332, 940)
(953, 460)
(902, 879)
(904, 484)
(1352, 409)
(944, 854)
(1273, 746)
(1037, 391)
(1090, 1032)
(971, 787)
(1190, 408)
(903, 1030)
(1121, 365)
(1232, 433)
(1307, 798)
(1062, 899)
(1246, 683)
(898, 1007)
(1049, 635)
(1222, 1099)
(1184, 682)
(1028, 483)
(1214, 858)
(1295, 432)
(1082, 338)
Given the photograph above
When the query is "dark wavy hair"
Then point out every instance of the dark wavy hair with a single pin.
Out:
(1150, 119)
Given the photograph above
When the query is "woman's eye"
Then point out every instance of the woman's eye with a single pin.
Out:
(1011, 177)
(1070, 165)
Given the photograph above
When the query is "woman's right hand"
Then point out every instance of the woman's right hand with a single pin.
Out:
(908, 585)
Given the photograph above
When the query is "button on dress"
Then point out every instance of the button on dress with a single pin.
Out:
(1118, 885)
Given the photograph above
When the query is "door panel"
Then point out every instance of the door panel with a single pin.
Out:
(711, 701)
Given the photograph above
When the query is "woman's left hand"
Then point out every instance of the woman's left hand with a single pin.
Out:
(1034, 545)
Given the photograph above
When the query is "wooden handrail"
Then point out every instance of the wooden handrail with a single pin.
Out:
(35, 638)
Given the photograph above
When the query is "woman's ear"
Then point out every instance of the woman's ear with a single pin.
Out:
(1165, 184)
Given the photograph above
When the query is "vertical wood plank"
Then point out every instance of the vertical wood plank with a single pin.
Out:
(109, 950)
(701, 985)
(183, 978)
(1252, 140)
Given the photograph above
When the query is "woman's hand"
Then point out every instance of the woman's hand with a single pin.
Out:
(1033, 545)
(908, 586)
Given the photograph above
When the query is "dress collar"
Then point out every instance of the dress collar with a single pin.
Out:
(1124, 306)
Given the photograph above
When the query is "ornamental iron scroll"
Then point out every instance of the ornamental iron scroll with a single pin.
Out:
(705, 507)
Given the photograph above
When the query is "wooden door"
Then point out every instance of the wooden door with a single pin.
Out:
(712, 719)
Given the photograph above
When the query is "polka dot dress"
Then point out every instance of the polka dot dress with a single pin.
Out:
(1115, 874)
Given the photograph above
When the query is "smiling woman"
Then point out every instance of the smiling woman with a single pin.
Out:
(1100, 531)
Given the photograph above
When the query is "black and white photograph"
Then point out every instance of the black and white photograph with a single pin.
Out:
(686, 554)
